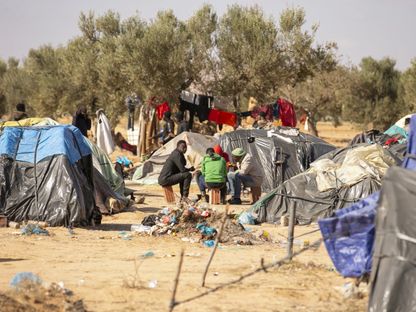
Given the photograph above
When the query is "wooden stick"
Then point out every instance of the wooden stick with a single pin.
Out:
(175, 285)
(291, 230)
(217, 240)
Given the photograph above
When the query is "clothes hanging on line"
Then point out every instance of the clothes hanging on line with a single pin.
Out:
(161, 109)
(195, 104)
(221, 117)
(287, 113)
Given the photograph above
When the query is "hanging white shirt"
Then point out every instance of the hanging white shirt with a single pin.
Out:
(104, 137)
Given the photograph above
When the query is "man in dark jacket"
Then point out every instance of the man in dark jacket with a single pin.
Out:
(174, 171)
(81, 120)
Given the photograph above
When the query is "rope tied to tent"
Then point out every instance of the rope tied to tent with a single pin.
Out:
(36, 176)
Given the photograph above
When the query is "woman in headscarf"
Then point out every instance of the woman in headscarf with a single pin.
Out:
(81, 120)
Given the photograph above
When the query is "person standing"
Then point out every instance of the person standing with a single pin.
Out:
(182, 123)
(174, 171)
(167, 129)
(81, 120)
(249, 173)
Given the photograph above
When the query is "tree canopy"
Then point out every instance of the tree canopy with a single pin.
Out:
(243, 53)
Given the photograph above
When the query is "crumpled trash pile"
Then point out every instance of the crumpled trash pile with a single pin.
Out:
(195, 223)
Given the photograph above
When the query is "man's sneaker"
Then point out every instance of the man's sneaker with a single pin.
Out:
(235, 201)
(206, 198)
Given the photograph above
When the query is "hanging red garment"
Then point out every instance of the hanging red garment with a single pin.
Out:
(267, 109)
(222, 118)
(161, 109)
(287, 113)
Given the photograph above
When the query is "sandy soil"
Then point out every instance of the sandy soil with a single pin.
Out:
(109, 273)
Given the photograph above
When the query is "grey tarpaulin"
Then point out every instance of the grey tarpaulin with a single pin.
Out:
(296, 152)
(64, 193)
(55, 186)
(302, 192)
(393, 276)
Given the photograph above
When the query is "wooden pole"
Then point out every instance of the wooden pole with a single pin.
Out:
(175, 285)
(291, 231)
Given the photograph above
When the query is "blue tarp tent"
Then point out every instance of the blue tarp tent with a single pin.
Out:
(46, 175)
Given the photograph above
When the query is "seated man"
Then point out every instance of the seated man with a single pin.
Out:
(248, 173)
(213, 174)
(174, 171)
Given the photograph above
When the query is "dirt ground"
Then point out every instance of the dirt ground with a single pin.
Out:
(106, 268)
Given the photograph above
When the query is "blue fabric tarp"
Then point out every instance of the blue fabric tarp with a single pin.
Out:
(33, 144)
(349, 237)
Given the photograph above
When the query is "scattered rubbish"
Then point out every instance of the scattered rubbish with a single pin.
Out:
(196, 255)
(205, 214)
(349, 290)
(209, 243)
(140, 228)
(148, 254)
(124, 235)
(81, 282)
(24, 277)
(264, 235)
(35, 229)
(42, 224)
(206, 230)
(14, 225)
(246, 218)
(152, 284)
(216, 273)
(190, 239)
(140, 200)
(242, 241)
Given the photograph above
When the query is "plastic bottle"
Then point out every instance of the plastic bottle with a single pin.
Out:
(140, 228)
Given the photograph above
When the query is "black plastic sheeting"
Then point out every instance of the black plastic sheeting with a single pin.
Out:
(296, 152)
(54, 191)
(302, 192)
(393, 276)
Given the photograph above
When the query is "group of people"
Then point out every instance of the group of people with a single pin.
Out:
(217, 172)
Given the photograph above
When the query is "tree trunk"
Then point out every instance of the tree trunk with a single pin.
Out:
(312, 125)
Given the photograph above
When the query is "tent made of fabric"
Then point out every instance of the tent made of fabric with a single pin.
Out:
(46, 175)
(401, 121)
(36, 121)
(335, 181)
(349, 234)
(281, 152)
(197, 144)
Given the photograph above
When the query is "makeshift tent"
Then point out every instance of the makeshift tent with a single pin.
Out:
(29, 122)
(393, 274)
(46, 175)
(281, 152)
(336, 180)
(349, 234)
(107, 183)
(149, 172)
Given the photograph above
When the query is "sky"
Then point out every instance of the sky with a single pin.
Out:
(377, 28)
